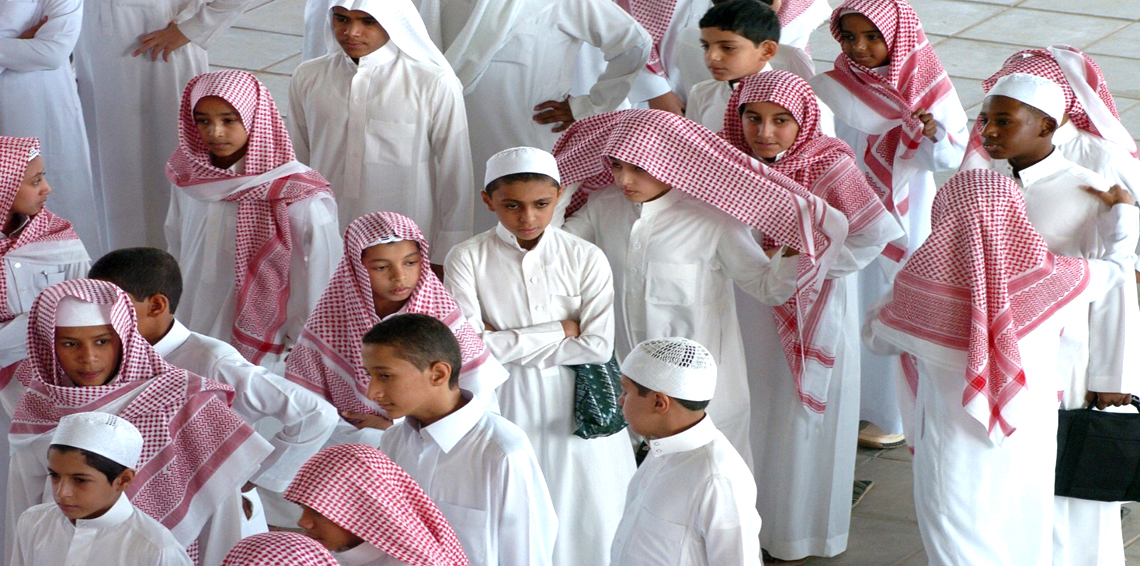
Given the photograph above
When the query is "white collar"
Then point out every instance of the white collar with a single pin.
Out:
(359, 555)
(119, 512)
(1052, 164)
(696, 436)
(1065, 133)
(16, 231)
(448, 431)
(175, 337)
(386, 54)
(508, 238)
(660, 203)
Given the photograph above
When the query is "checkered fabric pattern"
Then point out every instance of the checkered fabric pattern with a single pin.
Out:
(15, 153)
(982, 281)
(655, 16)
(792, 9)
(264, 243)
(326, 359)
(187, 426)
(361, 490)
(278, 549)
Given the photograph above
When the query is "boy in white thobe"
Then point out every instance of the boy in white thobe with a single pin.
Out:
(516, 58)
(382, 117)
(475, 465)
(296, 422)
(91, 461)
(692, 501)
(543, 300)
(1097, 352)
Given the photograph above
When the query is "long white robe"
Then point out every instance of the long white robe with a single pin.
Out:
(130, 104)
(674, 261)
(202, 235)
(525, 295)
(40, 100)
(389, 133)
(536, 65)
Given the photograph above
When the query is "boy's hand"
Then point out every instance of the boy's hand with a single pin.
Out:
(489, 327)
(668, 102)
(929, 126)
(31, 32)
(1112, 197)
(1103, 400)
(366, 420)
(571, 328)
(553, 111)
(164, 41)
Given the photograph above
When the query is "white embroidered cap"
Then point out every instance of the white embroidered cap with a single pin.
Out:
(521, 160)
(678, 367)
(73, 311)
(104, 434)
(1038, 92)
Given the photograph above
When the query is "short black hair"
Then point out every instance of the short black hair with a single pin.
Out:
(519, 178)
(141, 272)
(105, 465)
(642, 391)
(755, 21)
(420, 339)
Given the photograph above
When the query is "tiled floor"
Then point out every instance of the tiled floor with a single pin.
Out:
(972, 37)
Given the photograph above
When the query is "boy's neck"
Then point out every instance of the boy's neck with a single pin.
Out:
(1029, 159)
(14, 221)
(763, 65)
(531, 243)
(682, 420)
(100, 512)
(445, 406)
(386, 308)
(168, 324)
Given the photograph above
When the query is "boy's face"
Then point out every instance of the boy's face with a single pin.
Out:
(331, 535)
(731, 57)
(34, 190)
(636, 183)
(393, 270)
(357, 32)
(769, 128)
(398, 386)
(220, 127)
(89, 355)
(637, 410)
(524, 208)
(1010, 129)
(81, 491)
(862, 41)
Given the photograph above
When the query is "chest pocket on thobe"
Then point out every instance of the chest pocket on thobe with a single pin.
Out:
(470, 525)
(392, 143)
(30, 279)
(659, 541)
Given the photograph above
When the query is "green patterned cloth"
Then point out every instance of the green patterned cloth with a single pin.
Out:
(596, 391)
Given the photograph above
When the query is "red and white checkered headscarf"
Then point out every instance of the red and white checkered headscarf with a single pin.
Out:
(655, 16)
(692, 159)
(362, 491)
(326, 358)
(278, 549)
(15, 153)
(1090, 105)
(792, 9)
(826, 167)
(264, 244)
(915, 79)
(188, 429)
(981, 282)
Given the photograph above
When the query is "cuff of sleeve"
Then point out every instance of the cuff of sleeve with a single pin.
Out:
(197, 32)
(581, 107)
(648, 85)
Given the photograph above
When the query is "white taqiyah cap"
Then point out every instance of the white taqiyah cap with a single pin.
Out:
(677, 367)
(73, 311)
(521, 160)
(104, 434)
(1032, 90)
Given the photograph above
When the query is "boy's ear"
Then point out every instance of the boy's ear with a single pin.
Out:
(1048, 126)
(157, 305)
(440, 373)
(124, 480)
(768, 49)
(487, 200)
(661, 402)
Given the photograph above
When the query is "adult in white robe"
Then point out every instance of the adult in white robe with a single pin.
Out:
(128, 103)
(513, 55)
(389, 131)
(40, 100)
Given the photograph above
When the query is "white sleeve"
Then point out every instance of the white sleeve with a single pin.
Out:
(172, 228)
(648, 85)
(13, 339)
(771, 281)
(731, 530)
(581, 224)
(453, 187)
(623, 42)
(213, 18)
(20, 541)
(861, 248)
(52, 44)
(952, 135)
(1114, 319)
(27, 478)
(298, 127)
(317, 248)
(527, 525)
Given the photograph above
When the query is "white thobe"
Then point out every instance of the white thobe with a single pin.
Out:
(365, 554)
(390, 134)
(525, 295)
(674, 261)
(130, 104)
(481, 472)
(690, 504)
(978, 501)
(1097, 349)
(123, 536)
(201, 237)
(40, 100)
(536, 65)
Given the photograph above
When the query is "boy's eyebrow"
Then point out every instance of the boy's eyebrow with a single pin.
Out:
(416, 253)
(226, 113)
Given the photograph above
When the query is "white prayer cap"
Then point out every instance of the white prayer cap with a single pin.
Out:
(677, 367)
(1032, 90)
(73, 311)
(104, 434)
(521, 160)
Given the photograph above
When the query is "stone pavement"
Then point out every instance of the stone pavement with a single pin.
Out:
(972, 37)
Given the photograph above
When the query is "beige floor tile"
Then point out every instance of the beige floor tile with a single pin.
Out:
(973, 59)
(252, 49)
(892, 497)
(947, 17)
(1122, 42)
(1128, 9)
(1036, 28)
(280, 16)
(876, 542)
(287, 66)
